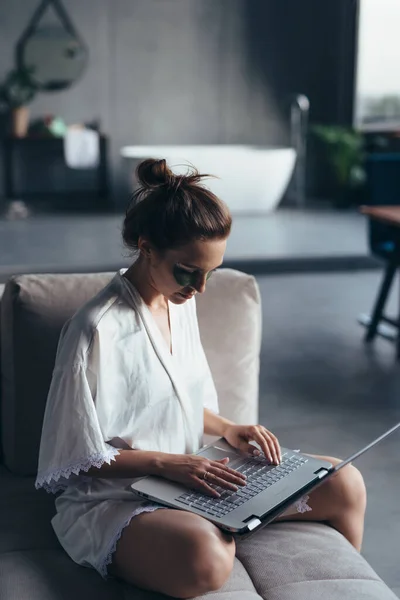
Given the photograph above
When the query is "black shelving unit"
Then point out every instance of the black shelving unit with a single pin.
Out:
(35, 171)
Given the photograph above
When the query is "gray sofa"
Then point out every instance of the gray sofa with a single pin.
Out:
(285, 561)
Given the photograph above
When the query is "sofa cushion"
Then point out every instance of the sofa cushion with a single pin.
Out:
(25, 515)
(305, 561)
(34, 309)
(51, 575)
(308, 561)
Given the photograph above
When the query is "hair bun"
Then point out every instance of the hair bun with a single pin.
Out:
(153, 173)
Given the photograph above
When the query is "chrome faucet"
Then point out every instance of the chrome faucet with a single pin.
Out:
(299, 110)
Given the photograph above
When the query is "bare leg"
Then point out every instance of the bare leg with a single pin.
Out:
(341, 502)
(174, 552)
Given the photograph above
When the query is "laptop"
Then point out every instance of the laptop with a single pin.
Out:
(270, 489)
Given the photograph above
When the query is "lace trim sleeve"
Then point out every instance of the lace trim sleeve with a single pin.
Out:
(56, 480)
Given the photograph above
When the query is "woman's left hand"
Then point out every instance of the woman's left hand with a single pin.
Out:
(239, 437)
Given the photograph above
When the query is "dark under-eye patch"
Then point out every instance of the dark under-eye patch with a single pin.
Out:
(183, 277)
(188, 278)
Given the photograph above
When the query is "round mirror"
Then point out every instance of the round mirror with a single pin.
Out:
(52, 53)
(54, 58)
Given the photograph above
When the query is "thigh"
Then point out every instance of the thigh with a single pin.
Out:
(162, 551)
(321, 500)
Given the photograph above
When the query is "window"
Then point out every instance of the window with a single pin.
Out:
(378, 68)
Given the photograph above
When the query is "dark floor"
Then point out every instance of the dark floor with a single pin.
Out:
(323, 391)
(285, 240)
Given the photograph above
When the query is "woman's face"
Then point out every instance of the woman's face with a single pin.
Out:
(178, 274)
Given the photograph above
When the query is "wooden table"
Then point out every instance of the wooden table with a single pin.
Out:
(388, 215)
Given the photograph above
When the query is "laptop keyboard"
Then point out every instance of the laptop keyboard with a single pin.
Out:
(260, 476)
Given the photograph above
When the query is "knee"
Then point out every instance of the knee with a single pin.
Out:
(358, 491)
(351, 489)
(210, 562)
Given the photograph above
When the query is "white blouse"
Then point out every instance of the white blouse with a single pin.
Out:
(115, 386)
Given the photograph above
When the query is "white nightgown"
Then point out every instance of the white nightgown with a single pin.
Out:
(115, 385)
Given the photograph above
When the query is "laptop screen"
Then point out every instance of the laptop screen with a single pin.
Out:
(360, 452)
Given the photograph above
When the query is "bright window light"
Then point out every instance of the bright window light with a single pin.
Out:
(378, 69)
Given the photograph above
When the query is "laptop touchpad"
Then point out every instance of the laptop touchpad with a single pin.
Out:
(215, 453)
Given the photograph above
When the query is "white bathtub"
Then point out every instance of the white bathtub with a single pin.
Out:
(251, 179)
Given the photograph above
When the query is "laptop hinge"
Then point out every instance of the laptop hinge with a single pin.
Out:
(252, 523)
(321, 472)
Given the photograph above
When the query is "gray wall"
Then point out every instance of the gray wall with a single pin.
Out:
(192, 71)
(306, 46)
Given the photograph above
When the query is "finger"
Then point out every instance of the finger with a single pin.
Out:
(216, 480)
(247, 448)
(277, 446)
(233, 478)
(202, 486)
(217, 465)
(267, 438)
(266, 445)
(276, 443)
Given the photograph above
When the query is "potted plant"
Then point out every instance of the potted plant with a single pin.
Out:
(16, 92)
(345, 156)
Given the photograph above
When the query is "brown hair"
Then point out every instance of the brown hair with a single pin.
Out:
(172, 210)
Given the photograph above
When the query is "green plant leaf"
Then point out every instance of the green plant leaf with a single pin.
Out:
(345, 150)
(18, 88)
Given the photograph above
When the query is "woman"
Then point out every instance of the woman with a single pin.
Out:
(132, 395)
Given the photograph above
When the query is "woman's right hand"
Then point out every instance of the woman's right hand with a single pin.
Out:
(190, 470)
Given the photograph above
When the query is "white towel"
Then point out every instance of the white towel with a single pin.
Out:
(81, 148)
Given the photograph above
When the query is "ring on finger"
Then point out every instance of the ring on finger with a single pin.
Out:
(206, 475)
